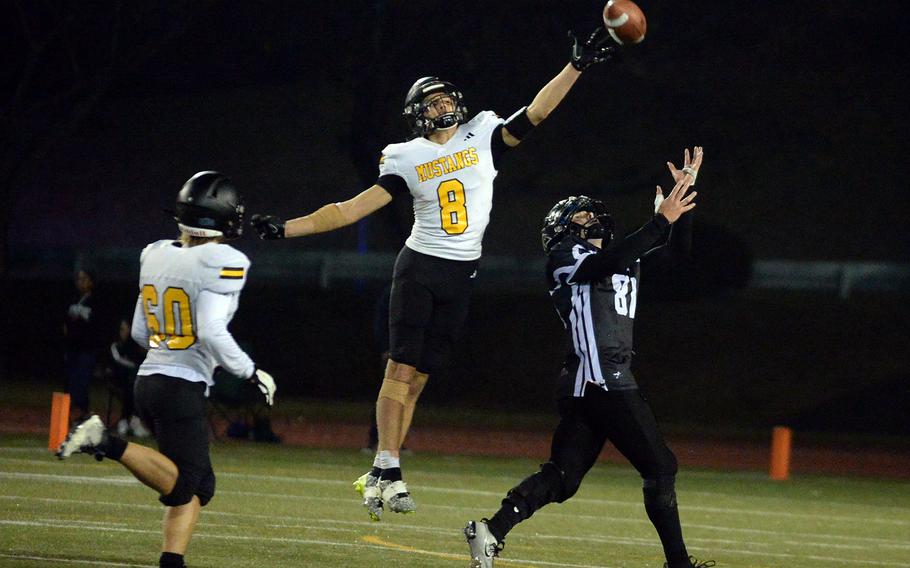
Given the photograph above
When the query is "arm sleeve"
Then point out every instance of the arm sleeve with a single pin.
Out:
(498, 146)
(676, 248)
(139, 330)
(393, 183)
(211, 319)
(623, 255)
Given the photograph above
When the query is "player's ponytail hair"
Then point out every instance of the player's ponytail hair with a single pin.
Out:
(189, 240)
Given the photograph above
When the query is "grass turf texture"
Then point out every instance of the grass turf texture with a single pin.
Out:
(281, 506)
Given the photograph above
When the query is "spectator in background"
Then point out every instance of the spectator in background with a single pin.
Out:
(83, 341)
(126, 355)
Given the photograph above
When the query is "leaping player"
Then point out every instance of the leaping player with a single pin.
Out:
(448, 166)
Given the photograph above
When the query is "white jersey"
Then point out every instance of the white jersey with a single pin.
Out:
(452, 187)
(187, 296)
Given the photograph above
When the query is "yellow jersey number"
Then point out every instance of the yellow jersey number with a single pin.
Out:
(452, 210)
(178, 320)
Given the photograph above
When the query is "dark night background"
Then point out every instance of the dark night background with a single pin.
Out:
(801, 107)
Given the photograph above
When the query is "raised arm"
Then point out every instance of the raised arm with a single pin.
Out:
(327, 218)
(595, 49)
(636, 245)
(678, 244)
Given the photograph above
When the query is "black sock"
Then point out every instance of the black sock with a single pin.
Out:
(391, 474)
(112, 448)
(171, 560)
(504, 520)
(375, 472)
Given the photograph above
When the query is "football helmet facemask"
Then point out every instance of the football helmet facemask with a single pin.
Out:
(208, 205)
(558, 222)
(415, 106)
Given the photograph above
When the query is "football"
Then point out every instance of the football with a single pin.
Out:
(625, 21)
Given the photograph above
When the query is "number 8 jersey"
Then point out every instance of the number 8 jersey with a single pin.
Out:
(187, 297)
(452, 187)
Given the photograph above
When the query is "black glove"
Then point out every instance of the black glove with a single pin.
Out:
(596, 49)
(269, 227)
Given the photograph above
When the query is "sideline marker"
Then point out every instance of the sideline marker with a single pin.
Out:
(60, 417)
(781, 439)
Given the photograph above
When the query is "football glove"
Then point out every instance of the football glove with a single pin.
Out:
(266, 385)
(269, 227)
(596, 49)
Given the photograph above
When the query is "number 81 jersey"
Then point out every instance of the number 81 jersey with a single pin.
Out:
(172, 278)
(452, 187)
(598, 317)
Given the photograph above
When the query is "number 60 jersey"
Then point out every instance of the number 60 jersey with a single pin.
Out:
(187, 296)
(452, 187)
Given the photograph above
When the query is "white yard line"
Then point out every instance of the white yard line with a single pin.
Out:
(60, 560)
(297, 541)
(310, 542)
(129, 480)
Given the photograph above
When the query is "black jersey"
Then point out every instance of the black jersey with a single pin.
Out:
(595, 293)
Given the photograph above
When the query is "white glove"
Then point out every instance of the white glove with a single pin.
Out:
(266, 385)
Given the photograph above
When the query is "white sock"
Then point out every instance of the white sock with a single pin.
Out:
(376, 462)
(387, 461)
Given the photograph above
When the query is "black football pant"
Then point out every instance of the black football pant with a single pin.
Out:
(625, 418)
(177, 411)
(428, 306)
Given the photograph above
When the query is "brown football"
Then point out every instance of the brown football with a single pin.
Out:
(625, 21)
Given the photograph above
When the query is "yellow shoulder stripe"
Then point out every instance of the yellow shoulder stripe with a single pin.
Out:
(230, 272)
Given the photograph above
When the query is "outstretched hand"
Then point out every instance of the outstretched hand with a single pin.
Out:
(678, 202)
(691, 165)
(269, 227)
(598, 48)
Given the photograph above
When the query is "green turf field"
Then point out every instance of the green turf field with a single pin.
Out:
(282, 506)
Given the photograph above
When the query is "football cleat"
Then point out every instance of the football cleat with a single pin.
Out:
(368, 487)
(484, 546)
(395, 494)
(85, 437)
(696, 564)
(138, 429)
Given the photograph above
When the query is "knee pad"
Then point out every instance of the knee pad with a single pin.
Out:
(659, 492)
(394, 390)
(663, 464)
(545, 486)
(206, 488)
(182, 493)
(187, 486)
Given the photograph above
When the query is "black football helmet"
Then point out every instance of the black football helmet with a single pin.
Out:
(414, 107)
(558, 222)
(208, 205)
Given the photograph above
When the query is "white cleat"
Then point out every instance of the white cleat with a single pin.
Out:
(484, 546)
(84, 437)
(368, 487)
(396, 495)
(138, 429)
